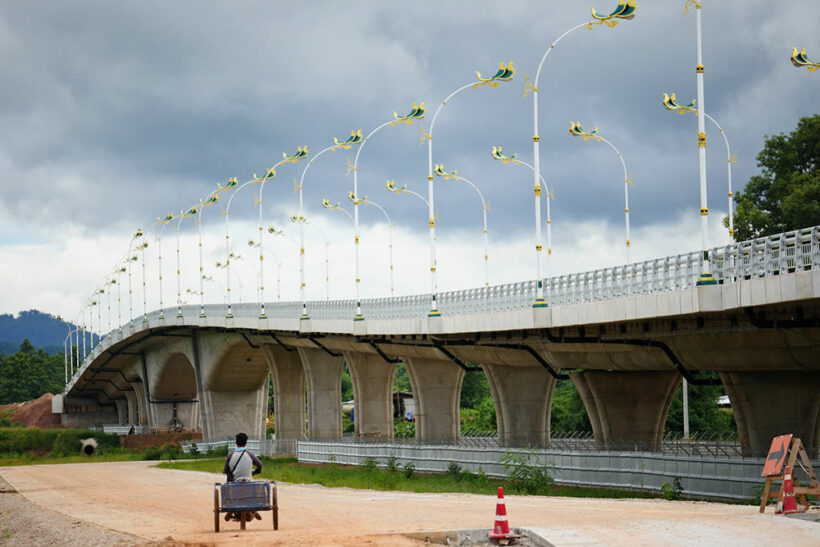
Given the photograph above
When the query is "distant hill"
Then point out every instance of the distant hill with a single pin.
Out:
(42, 329)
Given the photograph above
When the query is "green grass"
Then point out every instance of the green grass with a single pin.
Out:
(333, 475)
(9, 460)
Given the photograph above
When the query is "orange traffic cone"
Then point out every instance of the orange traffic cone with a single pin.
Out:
(501, 529)
(789, 501)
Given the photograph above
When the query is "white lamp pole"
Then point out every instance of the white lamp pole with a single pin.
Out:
(389, 236)
(670, 103)
(706, 274)
(212, 198)
(504, 74)
(416, 113)
(355, 138)
(576, 131)
(484, 208)
(499, 155)
(624, 11)
(164, 222)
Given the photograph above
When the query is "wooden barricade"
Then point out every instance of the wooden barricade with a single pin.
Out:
(787, 450)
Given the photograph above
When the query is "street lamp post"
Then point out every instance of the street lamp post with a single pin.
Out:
(670, 103)
(164, 222)
(499, 155)
(624, 11)
(142, 247)
(439, 170)
(504, 74)
(416, 113)
(706, 275)
(212, 198)
(254, 245)
(576, 131)
(300, 220)
(354, 138)
(389, 235)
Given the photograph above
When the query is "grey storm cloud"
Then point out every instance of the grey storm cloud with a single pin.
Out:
(117, 113)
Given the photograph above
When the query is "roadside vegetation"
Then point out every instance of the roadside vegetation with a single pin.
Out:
(389, 474)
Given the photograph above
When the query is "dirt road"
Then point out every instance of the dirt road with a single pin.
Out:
(158, 504)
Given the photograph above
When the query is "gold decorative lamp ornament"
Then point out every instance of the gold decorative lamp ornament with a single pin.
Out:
(800, 60)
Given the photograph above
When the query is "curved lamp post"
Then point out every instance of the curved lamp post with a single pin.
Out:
(212, 198)
(504, 74)
(671, 104)
(193, 211)
(576, 131)
(128, 260)
(706, 275)
(800, 60)
(354, 138)
(254, 245)
(389, 234)
(439, 170)
(300, 220)
(301, 152)
(164, 222)
(224, 266)
(209, 279)
(624, 11)
(499, 155)
(416, 113)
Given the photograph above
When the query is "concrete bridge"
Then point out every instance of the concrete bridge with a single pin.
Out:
(625, 336)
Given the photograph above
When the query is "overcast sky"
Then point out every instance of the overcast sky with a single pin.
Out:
(114, 114)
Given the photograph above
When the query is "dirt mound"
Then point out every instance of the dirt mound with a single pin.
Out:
(36, 413)
(146, 440)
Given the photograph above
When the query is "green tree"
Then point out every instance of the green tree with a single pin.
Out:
(568, 410)
(30, 373)
(705, 416)
(786, 194)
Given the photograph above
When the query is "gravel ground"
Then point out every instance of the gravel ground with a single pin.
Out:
(24, 523)
(172, 507)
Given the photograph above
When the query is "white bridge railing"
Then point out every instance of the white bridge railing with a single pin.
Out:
(763, 257)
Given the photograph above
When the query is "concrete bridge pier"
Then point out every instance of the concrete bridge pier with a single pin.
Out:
(288, 391)
(171, 392)
(373, 390)
(768, 404)
(626, 406)
(437, 389)
(323, 373)
(522, 396)
(122, 411)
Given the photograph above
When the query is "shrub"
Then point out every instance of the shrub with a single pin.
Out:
(672, 491)
(524, 471)
(369, 464)
(66, 443)
(409, 470)
(392, 464)
(454, 470)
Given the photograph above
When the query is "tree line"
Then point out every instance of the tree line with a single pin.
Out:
(29, 373)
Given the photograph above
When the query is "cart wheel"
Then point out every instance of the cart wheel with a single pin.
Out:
(216, 508)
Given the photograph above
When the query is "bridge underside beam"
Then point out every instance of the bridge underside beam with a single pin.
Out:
(437, 389)
(627, 407)
(768, 404)
(523, 397)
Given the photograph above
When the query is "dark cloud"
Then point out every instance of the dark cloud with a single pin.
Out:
(123, 112)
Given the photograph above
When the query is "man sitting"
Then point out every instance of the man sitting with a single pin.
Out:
(238, 468)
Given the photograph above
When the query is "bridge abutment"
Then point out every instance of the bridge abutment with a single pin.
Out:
(522, 397)
(627, 407)
(323, 373)
(437, 390)
(768, 404)
(372, 390)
